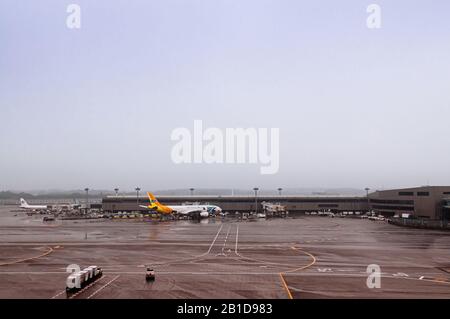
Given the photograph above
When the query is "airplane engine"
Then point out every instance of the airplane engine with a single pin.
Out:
(204, 214)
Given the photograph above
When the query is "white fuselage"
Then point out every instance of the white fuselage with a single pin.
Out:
(33, 207)
(203, 210)
(25, 205)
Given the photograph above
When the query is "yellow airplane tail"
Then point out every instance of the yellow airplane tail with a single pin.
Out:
(157, 205)
(152, 198)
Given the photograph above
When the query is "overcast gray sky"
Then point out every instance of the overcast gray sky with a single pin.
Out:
(95, 106)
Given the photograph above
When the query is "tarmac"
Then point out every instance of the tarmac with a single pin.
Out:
(294, 257)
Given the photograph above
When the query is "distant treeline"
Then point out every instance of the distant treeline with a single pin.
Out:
(263, 191)
(11, 195)
(62, 195)
(176, 192)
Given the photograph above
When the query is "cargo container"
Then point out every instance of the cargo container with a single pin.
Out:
(80, 279)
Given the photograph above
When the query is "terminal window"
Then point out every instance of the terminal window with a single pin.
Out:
(406, 193)
(423, 193)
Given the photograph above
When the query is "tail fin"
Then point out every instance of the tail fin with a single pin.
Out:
(23, 202)
(151, 198)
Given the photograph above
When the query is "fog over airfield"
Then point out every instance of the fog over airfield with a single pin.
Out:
(95, 107)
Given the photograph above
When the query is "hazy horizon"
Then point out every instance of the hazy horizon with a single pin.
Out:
(95, 107)
(213, 190)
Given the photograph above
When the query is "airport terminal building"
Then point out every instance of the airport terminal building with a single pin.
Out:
(242, 203)
(431, 202)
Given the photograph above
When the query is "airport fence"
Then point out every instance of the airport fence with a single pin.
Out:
(421, 223)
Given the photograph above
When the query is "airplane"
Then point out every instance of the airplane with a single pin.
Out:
(186, 210)
(25, 205)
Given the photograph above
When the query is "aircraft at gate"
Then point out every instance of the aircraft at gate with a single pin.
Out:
(187, 210)
(26, 206)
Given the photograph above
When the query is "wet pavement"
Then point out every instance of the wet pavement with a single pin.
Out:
(296, 257)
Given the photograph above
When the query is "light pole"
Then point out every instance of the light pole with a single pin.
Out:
(87, 199)
(256, 189)
(137, 189)
(117, 194)
(367, 196)
(192, 191)
(279, 191)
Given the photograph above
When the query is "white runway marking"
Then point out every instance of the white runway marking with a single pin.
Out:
(302, 274)
(400, 274)
(237, 236)
(215, 238)
(59, 294)
(324, 270)
(86, 288)
(104, 286)
(225, 241)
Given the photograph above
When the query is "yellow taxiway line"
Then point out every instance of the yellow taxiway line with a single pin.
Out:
(303, 267)
(283, 281)
(27, 259)
(285, 286)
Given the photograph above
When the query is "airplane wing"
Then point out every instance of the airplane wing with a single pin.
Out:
(148, 207)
